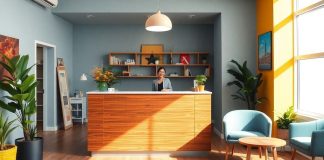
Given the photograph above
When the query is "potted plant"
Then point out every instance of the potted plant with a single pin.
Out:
(283, 122)
(105, 78)
(7, 151)
(201, 80)
(20, 99)
(247, 83)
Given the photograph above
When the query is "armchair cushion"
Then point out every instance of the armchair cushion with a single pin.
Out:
(301, 142)
(233, 136)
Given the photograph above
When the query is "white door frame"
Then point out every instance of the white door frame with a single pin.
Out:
(45, 81)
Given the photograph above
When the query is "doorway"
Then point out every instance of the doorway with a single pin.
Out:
(45, 58)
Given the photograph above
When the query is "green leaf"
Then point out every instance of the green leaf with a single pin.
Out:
(7, 67)
(31, 95)
(237, 97)
(27, 82)
(15, 105)
(237, 83)
(24, 73)
(10, 98)
(9, 61)
(9, 88)
(22, 63)
(31, 108)
(29, 122)
(21, 97)
(236, 74)
(32, 86)
(7, 107)
(14, 60)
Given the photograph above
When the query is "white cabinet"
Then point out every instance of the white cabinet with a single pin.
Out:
(79, 109)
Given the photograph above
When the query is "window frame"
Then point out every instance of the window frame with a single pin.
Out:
(298, 58)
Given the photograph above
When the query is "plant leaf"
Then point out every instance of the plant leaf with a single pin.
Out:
(7, 107)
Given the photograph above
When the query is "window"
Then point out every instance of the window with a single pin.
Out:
(309, 40)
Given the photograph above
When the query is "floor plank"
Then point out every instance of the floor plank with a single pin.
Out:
(72, 145)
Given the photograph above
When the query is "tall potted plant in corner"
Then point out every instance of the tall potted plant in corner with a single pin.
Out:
(20, 100)
(283, 122)
(247, 83)
(7, 151)
(201, 80)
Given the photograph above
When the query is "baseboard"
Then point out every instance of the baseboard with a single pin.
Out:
(219, 133)
(150, 154)
(304, 155)
(50, 129)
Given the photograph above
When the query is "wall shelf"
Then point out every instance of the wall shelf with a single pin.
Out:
(169, 60)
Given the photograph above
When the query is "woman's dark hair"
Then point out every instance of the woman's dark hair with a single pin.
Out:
(160, 69)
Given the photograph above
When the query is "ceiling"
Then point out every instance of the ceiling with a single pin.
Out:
(136, 18)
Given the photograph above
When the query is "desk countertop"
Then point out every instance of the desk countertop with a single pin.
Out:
(148, 92)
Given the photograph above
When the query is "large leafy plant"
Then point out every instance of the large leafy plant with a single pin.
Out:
(287, 117)
(20, 96)
(247, 83)
(5, 130)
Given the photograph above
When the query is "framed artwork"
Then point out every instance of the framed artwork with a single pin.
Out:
(265, 51)
(64, 95)
(151, 49)
(10, 47)
(60, 62)
(184, 58)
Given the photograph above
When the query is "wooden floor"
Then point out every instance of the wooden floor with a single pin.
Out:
(72, 145)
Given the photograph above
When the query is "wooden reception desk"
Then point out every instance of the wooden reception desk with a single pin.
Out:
(149, 121)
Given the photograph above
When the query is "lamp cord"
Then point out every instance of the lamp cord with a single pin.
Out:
(158, 5)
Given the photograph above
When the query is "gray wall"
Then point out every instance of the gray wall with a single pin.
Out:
(93, 43)
(236, 26)
(27, 21)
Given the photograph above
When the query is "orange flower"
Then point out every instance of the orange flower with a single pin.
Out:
(100, 74)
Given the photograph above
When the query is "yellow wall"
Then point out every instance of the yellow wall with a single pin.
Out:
(278, 85)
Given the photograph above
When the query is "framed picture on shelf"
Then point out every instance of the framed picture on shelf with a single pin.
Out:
(60, 62)
(185, 58)
(151, 49)
(265, 51)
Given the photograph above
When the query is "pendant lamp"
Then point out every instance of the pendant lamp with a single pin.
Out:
(158, 22)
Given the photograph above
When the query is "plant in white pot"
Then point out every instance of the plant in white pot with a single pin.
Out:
(201, 80)
(7, 151)
(20, 99)
(283, 122)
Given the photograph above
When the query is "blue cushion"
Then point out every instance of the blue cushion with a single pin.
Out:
(235, 135)
(302, 142)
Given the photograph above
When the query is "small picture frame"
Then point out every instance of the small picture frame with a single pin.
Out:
(60, 62)
(185, 58)
(265, 51)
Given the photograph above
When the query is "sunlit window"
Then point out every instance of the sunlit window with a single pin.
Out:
(305, 3)
(309, 20)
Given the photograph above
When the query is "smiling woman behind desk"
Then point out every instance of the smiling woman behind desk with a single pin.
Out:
(161, 83)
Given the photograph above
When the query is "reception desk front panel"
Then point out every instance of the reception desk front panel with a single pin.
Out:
(149, 122)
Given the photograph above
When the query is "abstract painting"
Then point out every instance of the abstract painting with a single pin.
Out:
(10, 47)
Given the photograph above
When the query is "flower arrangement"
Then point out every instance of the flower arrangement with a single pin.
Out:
(104, 77)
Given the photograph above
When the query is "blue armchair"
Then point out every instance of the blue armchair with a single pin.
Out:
(245, 123)
(308, 138)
